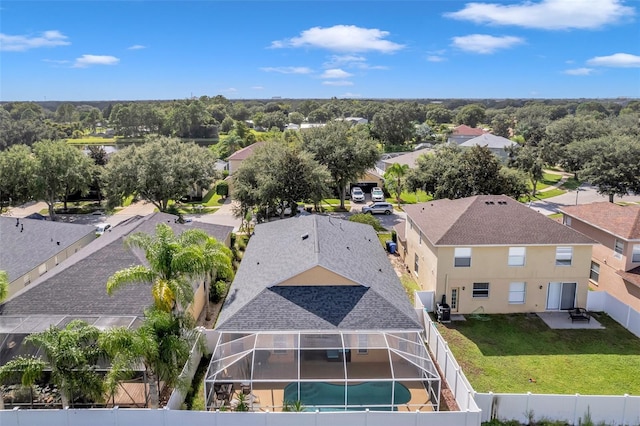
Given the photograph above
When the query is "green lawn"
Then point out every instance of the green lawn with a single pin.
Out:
(411, 197)
(571, 184)
(502, 353)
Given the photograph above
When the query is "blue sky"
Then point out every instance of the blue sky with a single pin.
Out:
(120, 50)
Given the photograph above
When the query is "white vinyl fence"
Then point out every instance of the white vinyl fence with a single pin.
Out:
(601, 301)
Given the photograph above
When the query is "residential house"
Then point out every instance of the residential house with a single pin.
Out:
(492, 254)
(408, 158)
(316, 308)
(496, 144)
(240, 155)
(463, 133)
(30, 248)
(615, 263)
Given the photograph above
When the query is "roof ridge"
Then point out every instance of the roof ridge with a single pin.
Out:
(472, 201)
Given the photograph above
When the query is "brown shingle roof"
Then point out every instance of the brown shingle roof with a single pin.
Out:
(244, 153)
(464, 130)
(623, 221)
(632, 276)
(488, 220)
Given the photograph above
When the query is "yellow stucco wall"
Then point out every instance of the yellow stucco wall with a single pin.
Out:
(317, 276)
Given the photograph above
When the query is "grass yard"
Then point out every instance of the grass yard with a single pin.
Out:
(502, 353)
(411, 197)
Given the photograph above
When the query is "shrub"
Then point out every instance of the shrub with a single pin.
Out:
(367, 219)
(222, 189)
(217, 291)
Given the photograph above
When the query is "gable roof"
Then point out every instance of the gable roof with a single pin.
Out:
(283, 249)
(490, 141)
(409, 158)
(464, 130)
(488, 220)
(621, 221)
(27, 243)
(244, 153)
(78, 285)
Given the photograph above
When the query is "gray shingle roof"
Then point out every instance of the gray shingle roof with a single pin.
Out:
(78, 286)
(283, 249)
(33, 242)
(488, 220)
(490, 141)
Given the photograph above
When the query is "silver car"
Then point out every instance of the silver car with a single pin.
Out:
(378, 208)
(357, 194)
(377, 194)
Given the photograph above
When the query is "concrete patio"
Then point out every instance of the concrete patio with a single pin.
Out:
(561, 320)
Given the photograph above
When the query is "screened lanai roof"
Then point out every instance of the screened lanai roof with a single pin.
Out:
(14, 329)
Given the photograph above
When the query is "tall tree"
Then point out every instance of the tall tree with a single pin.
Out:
(346, 152)
(162, 344)
(160, 170)
(171, 265)
(471, 115)
(529, 159)
(17, 171)
(4, 285)
(214, 260)
(393, 124)
(395, 176)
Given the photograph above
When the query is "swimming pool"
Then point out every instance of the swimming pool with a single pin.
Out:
(359, 396)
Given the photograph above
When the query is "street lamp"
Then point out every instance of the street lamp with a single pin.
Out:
(578, 192)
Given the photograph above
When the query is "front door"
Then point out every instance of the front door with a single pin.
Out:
(561, 296)
(455, 291)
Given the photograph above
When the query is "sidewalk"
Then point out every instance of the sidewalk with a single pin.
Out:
(26, 209)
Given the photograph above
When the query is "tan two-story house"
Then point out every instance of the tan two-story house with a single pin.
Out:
(615, 263)
(492, 254)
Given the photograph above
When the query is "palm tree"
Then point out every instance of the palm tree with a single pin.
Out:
(396, 173)
(162, 344)
(26, 369)
(214, 259)
(172, 260)
(71, 354)
(4, 285)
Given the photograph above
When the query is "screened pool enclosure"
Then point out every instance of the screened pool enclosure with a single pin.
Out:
(338, 370)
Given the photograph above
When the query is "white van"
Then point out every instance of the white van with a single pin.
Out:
(102, 228)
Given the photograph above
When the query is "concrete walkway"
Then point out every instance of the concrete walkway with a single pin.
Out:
(140, 208)
(26, 209)
(222, 216)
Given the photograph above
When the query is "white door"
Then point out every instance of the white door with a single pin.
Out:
(454, 299)
(561, 296)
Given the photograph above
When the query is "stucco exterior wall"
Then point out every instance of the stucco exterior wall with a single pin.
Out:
(317, 276)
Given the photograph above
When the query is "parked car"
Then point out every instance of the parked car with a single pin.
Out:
(357, 194)
(378, 208)
(102, 228)
(377, 194)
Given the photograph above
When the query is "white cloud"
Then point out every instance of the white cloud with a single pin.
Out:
(337, 83)
(351, 95)
(20, 43)
(229, 90)
(56, 61)
(136, 47)
(617, 60)
(485, 44)
(336, 73)
(89, 60)
(257, 87)
(288, 70)
(547, 14)
(436, 58)
(579, 71)
(342, 38)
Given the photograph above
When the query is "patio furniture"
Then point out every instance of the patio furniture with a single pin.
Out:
(579, 314)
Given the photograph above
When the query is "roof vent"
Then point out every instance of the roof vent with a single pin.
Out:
(305, 236)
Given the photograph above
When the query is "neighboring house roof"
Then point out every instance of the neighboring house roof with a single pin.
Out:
(488, 220)
(365, 293)
(632, 276)
(622, 221)
(401, 229)
(244, 153)
(409, 158)
(32, 242)
(490, 141)
(78, 285)
(464, 130)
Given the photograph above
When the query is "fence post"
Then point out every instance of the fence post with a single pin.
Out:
(446, 353)
(624, 409)
(575, 410)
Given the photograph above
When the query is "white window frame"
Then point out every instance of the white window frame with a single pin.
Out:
(363, 344)
(635, 255)
(416, 263)
(279, 340)
(564, 255)
(517, 293)
(480, 291)
(42, 269)
(567, 220)
(594, 271)
(618, 248)
(462, 253)
(517, 256)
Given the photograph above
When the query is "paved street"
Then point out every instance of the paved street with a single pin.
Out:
(586, 195)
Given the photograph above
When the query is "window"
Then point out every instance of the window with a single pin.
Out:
(42, 269)
(415, 264)
(564, 256)
(419, 238)
(635, 257)
(27, 279)
(462, 257)
(567, 220)
(618, 248)
(516, 256)
(481, 290)
(279, 343)
(595, 272)
(516, 293)
(363, 342)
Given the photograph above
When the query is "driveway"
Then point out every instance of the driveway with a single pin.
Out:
(223, 216)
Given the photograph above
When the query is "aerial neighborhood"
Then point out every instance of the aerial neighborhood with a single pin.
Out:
(320, 261)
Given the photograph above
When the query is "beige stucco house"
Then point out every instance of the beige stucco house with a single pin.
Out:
(615, 263)
(492, 254)
(240, 155)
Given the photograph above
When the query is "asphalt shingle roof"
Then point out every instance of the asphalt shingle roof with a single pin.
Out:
(488, 220)
(244, 153)
(623, 221)
(78, 285)
(464, 130)
(490, 141)
(283, 249)
(33, 242)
